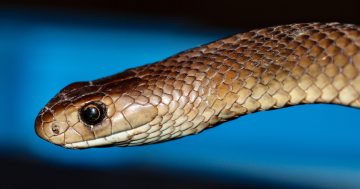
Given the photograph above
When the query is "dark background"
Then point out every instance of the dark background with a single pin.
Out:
(21, 167)
(224, 13)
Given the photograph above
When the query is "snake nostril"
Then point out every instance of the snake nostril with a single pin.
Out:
(55, 129)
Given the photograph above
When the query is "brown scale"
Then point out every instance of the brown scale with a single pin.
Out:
(184, 94)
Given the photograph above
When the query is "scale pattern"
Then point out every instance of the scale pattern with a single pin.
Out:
(196, 89)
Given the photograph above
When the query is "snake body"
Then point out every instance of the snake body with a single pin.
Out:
(196, 89)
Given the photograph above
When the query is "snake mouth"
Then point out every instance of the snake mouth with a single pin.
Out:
(122, 139)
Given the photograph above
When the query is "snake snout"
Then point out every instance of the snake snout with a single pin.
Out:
(39, 128)
(50, 129)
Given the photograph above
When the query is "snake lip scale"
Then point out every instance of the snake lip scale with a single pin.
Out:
(196, 89)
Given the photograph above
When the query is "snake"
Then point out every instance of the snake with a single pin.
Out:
(184, 94)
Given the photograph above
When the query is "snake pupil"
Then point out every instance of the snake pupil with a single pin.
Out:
(92, 113)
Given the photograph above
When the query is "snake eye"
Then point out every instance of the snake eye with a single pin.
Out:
(92, 113)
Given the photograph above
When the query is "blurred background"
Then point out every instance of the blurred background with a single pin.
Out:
(45, 45)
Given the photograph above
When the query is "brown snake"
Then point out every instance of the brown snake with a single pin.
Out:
(184, 94)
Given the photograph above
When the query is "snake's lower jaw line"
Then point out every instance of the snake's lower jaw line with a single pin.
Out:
(71, 147)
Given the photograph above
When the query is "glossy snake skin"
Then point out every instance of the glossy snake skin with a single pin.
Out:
(196, 89)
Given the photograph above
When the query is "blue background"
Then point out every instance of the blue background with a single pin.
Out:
(308, 145)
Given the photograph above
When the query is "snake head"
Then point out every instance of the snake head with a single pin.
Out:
(104, 112)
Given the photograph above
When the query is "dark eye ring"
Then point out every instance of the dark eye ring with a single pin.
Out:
(93, 113)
